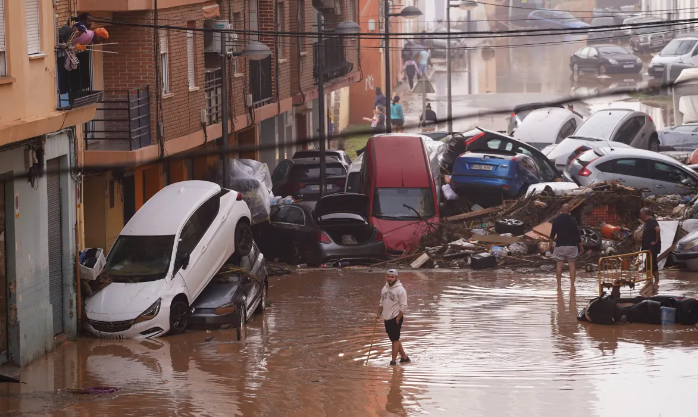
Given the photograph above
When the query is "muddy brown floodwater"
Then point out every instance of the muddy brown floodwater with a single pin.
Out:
(482, 344)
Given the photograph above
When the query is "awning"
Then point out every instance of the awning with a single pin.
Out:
(210, 10)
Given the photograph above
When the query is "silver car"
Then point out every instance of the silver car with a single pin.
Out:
(680, 138)
(631, 127)
(651, 172)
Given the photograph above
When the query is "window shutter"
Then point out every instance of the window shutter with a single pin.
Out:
(32, 28)
(163, 42)
(190, 59)
(2, 26)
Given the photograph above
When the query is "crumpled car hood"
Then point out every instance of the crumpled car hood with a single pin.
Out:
(119, 301)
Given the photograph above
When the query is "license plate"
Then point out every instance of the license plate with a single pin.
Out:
(483, 167)
(659, 69)
(315, 187)
(628, 66)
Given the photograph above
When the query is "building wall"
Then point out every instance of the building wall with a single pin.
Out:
(30, 311)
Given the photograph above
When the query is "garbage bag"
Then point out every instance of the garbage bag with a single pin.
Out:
(647, 311)
(599, 310)
(253, 180)
(448, 192)
(92, 262)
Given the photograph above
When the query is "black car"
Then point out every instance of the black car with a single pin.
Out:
(480, 139)
(605, 59)
(315, 153)
(238, 290)
(602, 31)
(300, 178)
(337, 229)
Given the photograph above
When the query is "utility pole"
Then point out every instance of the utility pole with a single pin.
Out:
(224, 91)
(388, 98)
(321, 99)
(449, 104)
(469, 64)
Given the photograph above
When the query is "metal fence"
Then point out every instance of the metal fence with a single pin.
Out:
(214, 95)
(75, 84)
(122, 115)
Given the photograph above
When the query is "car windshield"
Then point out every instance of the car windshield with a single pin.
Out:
(139, 258)
(314, 154)
(613, 50)
(678, 47)
(389, 203)
(311, 172)
(601, 124)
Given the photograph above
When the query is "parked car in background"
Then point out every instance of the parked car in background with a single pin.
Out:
(336, 229)
(438, 44)
(300, 178)
(604, 59)
(353, 182)
(164, 258)
(495, 172)
(602, 31)
(554, 19)
(402, 187)
(647, 38)
(521, 111)
(682, 50)
(562, 153)
(627, 126)
(617, 15)
(483, 139)
(543, 127)
(687, 250)
(680, 138)
(315, 153)
(237, 291)
(637, 168)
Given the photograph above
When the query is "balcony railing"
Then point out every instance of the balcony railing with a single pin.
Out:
(260, 82)
(75, 86)
(122, 121)
(334, 64)
(214, 95)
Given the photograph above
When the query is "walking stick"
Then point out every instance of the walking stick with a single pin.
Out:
(372, 338)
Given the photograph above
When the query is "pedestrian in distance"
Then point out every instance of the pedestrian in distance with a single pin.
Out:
(391, 309)
(651, 241)
(397, 117)
(410, 69)
(428, 120)
(378, 120)
(379, 98)
(423, 61)
(568, 243)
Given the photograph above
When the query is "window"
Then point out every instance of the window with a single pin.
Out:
(629, 130)
(165, 62)
(606, 167)
(309, 172)
(280, 215)
(191, 60)
(601, 124)
(236, 23)
(631, 167)
(583, 52)
(296, 216)
(301, 24)
(668, 173)
(196, 227)
(389, 203)
(685, 128)
(33, 28)
(3, 62)
(678, 47)
(566, 130)
(135, 259)
(280, 27)
(254, 20)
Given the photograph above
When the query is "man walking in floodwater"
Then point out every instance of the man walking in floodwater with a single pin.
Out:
(565, 232)
(651, 240)
(391, 308)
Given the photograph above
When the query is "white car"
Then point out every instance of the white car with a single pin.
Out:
(562, 153)
(681, 50)
(543, 127)
(680, 138)
(164, 258)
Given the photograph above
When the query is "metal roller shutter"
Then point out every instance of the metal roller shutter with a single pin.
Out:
(55, 247)
(32, 27)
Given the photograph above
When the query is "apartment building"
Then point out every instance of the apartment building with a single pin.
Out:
(43, 108)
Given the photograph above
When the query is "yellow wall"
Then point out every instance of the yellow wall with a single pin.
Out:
(94, 206)
(115, 214)
(30, 89)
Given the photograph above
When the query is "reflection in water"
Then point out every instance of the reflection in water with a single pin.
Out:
(482, 343)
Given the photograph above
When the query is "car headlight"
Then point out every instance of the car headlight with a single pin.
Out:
(612, 61)
(225, 309)
(638, 61)
(692, 246)
(150, 313)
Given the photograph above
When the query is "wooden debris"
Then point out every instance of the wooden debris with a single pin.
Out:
(419, 261)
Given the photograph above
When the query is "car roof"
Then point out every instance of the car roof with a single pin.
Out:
(165, 212)
(616, 153)
(544, 122)
(315, 161)
(529, 106)
(407, 149)
(479, 153)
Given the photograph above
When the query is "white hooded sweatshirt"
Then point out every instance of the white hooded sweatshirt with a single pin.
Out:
(393, 300)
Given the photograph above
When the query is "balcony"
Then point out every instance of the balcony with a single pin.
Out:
(122, 121)
(214, 95)
(261, 82)
(75, 86)
(328, 7)
(334, 65)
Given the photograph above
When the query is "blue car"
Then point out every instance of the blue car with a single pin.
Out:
(494, 172)
(554, 19)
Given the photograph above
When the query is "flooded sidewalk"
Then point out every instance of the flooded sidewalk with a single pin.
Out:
(495, 343)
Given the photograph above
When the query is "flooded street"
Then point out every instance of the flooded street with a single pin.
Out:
(482, 343)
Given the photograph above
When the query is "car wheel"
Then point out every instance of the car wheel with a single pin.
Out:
(243, 239)
(179, 317)
(591, 239)
(513, 226)
(654, 144)
(601, 70)
(575, 69)
(263, 302)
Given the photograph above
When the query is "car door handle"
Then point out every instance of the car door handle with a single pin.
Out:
(224, 217)
(659, 186)
(204, 248)
(621, 180)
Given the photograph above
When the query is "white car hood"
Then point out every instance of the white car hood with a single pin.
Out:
(665, 60)
(119, 301)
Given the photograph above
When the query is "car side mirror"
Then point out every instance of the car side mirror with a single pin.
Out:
(184, 260)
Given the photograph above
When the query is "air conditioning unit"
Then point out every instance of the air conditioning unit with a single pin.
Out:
(212, 40)
(248, 100)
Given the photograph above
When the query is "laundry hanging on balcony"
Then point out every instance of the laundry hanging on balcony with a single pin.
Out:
(78, 39)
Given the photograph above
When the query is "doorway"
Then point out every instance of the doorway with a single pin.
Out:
(129, 192)
(3, 277)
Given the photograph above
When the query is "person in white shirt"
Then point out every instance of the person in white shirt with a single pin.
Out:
(391, 308)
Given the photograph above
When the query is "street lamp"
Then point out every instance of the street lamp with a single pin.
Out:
(463, 5)
(347, 27)
(409, 13)
(254, 51)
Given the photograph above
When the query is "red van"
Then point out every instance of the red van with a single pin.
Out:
(396, 175)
